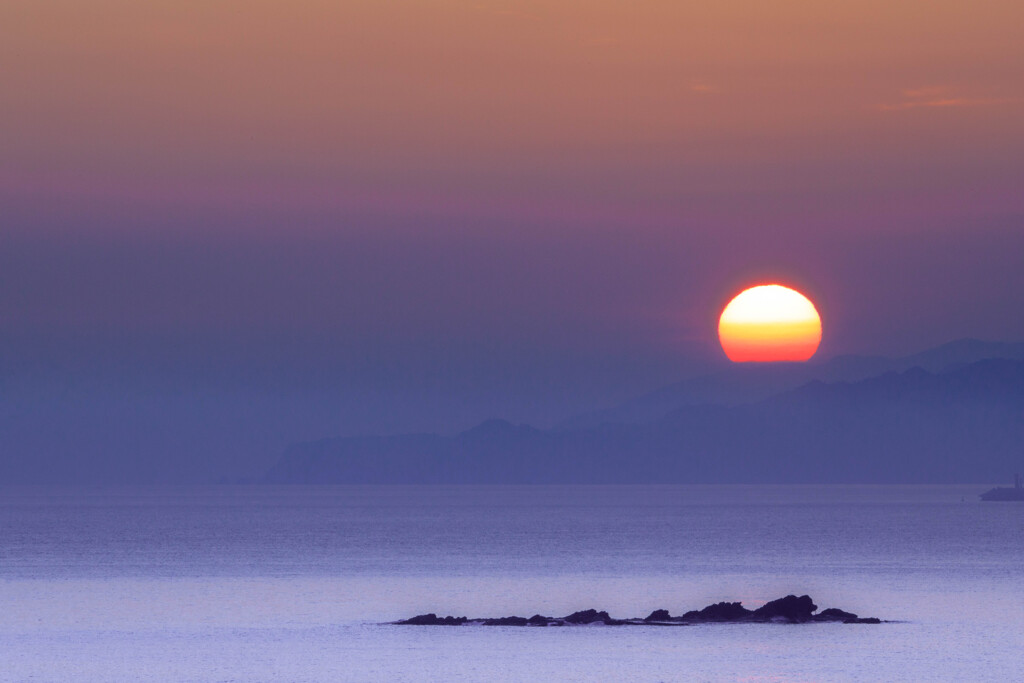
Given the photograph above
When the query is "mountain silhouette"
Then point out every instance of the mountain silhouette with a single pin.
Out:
(962, 424)
(752, 382)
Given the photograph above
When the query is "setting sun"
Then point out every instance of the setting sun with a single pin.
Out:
(769, 323)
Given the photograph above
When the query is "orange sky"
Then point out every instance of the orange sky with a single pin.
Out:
(474, 209)
(653, 103)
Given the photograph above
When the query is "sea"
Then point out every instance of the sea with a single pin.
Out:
(257, 583)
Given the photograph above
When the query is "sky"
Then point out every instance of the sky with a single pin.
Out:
(371, 217)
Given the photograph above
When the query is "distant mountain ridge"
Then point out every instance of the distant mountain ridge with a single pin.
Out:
(749, 383)
(963, 423)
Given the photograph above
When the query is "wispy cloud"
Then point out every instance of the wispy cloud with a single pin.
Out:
(703, 88)
(941, 97)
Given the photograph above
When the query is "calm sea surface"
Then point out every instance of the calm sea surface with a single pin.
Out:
(293, 584)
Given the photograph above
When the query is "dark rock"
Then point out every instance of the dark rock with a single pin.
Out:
(587, 616)
(789, 609)
(719, 612)
(507, 621)
(833, 614)
(433, 620)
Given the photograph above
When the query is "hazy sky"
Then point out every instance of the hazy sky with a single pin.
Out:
(448, 210)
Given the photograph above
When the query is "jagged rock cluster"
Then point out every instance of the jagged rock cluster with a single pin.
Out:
(788, 610)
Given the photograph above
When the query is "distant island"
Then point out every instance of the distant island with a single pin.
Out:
(1003, 494)
(834, 422)
(788, 610)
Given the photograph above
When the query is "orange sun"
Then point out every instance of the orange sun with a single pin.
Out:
(769, 323)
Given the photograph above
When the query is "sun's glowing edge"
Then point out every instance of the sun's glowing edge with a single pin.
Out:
(768, 323)
(769, 304)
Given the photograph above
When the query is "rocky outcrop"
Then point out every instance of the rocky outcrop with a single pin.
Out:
(507, 621)
(719, 612)
(587, 616)
(833, 614)
(658, 615)
(434, 620)
(788, 610)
